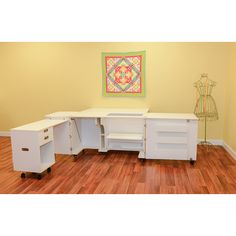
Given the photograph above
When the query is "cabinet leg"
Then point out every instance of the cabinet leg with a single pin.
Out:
(39, 176)
(49, 169)
(75, 157)
(192, 162)
(22, 175)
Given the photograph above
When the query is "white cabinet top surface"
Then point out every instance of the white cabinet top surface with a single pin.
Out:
(39, 125)
(102, 112)
(185, 116)
(121, 112)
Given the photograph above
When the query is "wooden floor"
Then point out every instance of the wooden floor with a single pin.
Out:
(123, 172)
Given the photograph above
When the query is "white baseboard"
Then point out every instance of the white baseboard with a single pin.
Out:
(230, 150)
(5, 133)
(214, 141)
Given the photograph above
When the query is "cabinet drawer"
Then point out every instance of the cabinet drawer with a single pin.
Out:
(45, 136)
(182, 128)
(167, 151)
(179, 126)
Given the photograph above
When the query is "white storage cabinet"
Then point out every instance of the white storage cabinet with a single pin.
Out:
(171, 136)
(66, 138)
(78, 134)
(33, 146)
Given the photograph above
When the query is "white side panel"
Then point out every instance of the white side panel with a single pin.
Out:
(192, 138)
(25, 151)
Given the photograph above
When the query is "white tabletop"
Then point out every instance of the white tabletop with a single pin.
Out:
(121, 112)
(39, 125)
(187, 116)
(100, 112)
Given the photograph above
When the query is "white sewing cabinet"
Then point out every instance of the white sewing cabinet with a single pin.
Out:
(33, 146)
(153, 135)
(171, 136)
(103, 129)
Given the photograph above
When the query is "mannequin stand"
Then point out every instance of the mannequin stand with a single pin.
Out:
(205, 142)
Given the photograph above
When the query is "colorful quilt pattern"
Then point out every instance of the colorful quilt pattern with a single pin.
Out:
(123, 74)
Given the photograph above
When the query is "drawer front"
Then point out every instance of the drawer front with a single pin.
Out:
(45, 136)
(157, 150)
(167, 126)
(168, 132)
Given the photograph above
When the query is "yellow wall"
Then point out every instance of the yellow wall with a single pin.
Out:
(230, 114)
(41, 78)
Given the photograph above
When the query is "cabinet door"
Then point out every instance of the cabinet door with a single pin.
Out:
(75, 136)
(61, 136)
(167, 139)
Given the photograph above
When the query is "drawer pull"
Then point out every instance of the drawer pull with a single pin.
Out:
(46, 137)
(46, 130)
(25, 149)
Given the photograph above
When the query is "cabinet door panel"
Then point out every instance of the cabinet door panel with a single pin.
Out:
(61, 136)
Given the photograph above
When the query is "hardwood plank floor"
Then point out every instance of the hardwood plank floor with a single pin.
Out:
(122, 172)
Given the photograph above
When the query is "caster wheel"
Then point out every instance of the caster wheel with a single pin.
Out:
(75, 157)
(39, 176)
(49, 169)
(192, 162)
(22, 175)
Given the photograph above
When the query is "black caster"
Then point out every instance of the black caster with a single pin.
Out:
(49, 170)
(192, 162)
(39, 176)
(22, 175)
(74, 157)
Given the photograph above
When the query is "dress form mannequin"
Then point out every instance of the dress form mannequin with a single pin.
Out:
(205, 107)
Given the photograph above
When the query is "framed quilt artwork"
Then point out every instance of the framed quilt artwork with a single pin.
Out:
(123, 74)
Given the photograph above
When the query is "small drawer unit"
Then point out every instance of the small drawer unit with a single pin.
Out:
(173, 137)
(45, 136)
(33, 146)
